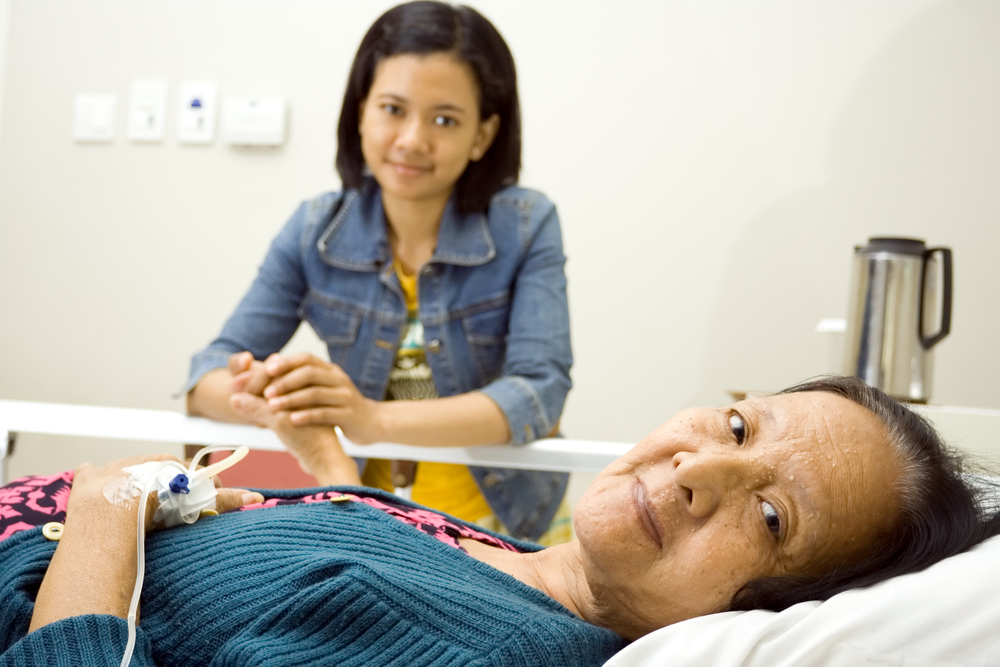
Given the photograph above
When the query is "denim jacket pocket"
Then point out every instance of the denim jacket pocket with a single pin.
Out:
(335, 322)
(486, 333)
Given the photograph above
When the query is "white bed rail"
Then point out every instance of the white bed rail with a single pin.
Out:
(18, 417)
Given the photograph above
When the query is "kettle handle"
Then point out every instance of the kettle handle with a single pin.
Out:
(945, 327)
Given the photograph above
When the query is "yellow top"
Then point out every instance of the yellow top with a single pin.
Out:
(446, 487)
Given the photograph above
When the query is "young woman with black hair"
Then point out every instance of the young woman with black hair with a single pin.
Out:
(435, 281)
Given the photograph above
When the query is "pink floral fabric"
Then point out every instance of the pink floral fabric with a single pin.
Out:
(436, 525)
(33, 501)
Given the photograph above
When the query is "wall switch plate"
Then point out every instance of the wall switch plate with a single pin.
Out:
(253, 121)
(147, 114)
(147, 111)
(196, 112)
(94, 117)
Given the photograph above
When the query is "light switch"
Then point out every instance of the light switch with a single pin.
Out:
(253, 121)
(94, 117)
(196, 113)
(147, 113)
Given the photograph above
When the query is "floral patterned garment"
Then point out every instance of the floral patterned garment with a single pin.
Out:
(438, 526)
(33, 501)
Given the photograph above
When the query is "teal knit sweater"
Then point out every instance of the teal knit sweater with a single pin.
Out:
(312, 584)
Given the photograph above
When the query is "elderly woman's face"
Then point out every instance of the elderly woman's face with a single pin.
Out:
(717, 497)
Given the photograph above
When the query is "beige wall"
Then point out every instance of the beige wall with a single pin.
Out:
(713, 163)
(4, 22)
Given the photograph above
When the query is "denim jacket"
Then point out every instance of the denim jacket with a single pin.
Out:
(492, 303)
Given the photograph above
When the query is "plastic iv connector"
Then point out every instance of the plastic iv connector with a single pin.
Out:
(181, 498)
(183, 494)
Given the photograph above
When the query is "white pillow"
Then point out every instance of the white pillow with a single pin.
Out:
(948, 615)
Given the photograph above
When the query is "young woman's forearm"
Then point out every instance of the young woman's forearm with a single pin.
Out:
(454, 421)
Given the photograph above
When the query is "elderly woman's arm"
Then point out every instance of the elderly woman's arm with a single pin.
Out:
(94, 566)
(316, 448)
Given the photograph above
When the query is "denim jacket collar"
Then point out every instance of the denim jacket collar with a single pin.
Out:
(357, 237)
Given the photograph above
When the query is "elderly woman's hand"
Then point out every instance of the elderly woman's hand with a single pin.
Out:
(100, 490)
(316, 447)
(248, 374)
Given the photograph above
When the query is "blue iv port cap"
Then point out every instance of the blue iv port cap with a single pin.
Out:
(179, 484)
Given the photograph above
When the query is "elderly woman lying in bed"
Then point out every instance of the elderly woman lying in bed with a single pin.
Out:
(827, 486)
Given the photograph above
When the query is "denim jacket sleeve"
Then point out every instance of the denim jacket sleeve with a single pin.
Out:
(267, 317)
(532, 389)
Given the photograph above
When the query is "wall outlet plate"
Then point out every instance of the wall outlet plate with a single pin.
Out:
(147, 111)
(196, 112)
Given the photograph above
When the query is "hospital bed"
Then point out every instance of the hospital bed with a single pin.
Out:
(945, 616)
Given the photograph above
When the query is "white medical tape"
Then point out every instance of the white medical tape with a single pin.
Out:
(121, 491)
(175, 508)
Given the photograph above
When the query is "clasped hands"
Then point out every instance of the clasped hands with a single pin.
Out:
(301, 397)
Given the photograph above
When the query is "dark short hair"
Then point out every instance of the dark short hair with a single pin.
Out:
(427, 27)
(942, 513)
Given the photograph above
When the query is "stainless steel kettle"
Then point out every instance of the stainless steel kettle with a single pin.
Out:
(900, 290)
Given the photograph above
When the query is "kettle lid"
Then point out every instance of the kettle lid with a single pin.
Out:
(896, 245)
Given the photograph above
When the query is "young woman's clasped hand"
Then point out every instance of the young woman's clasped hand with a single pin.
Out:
(312, 390)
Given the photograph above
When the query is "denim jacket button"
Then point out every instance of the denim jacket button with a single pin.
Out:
(434, 346)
